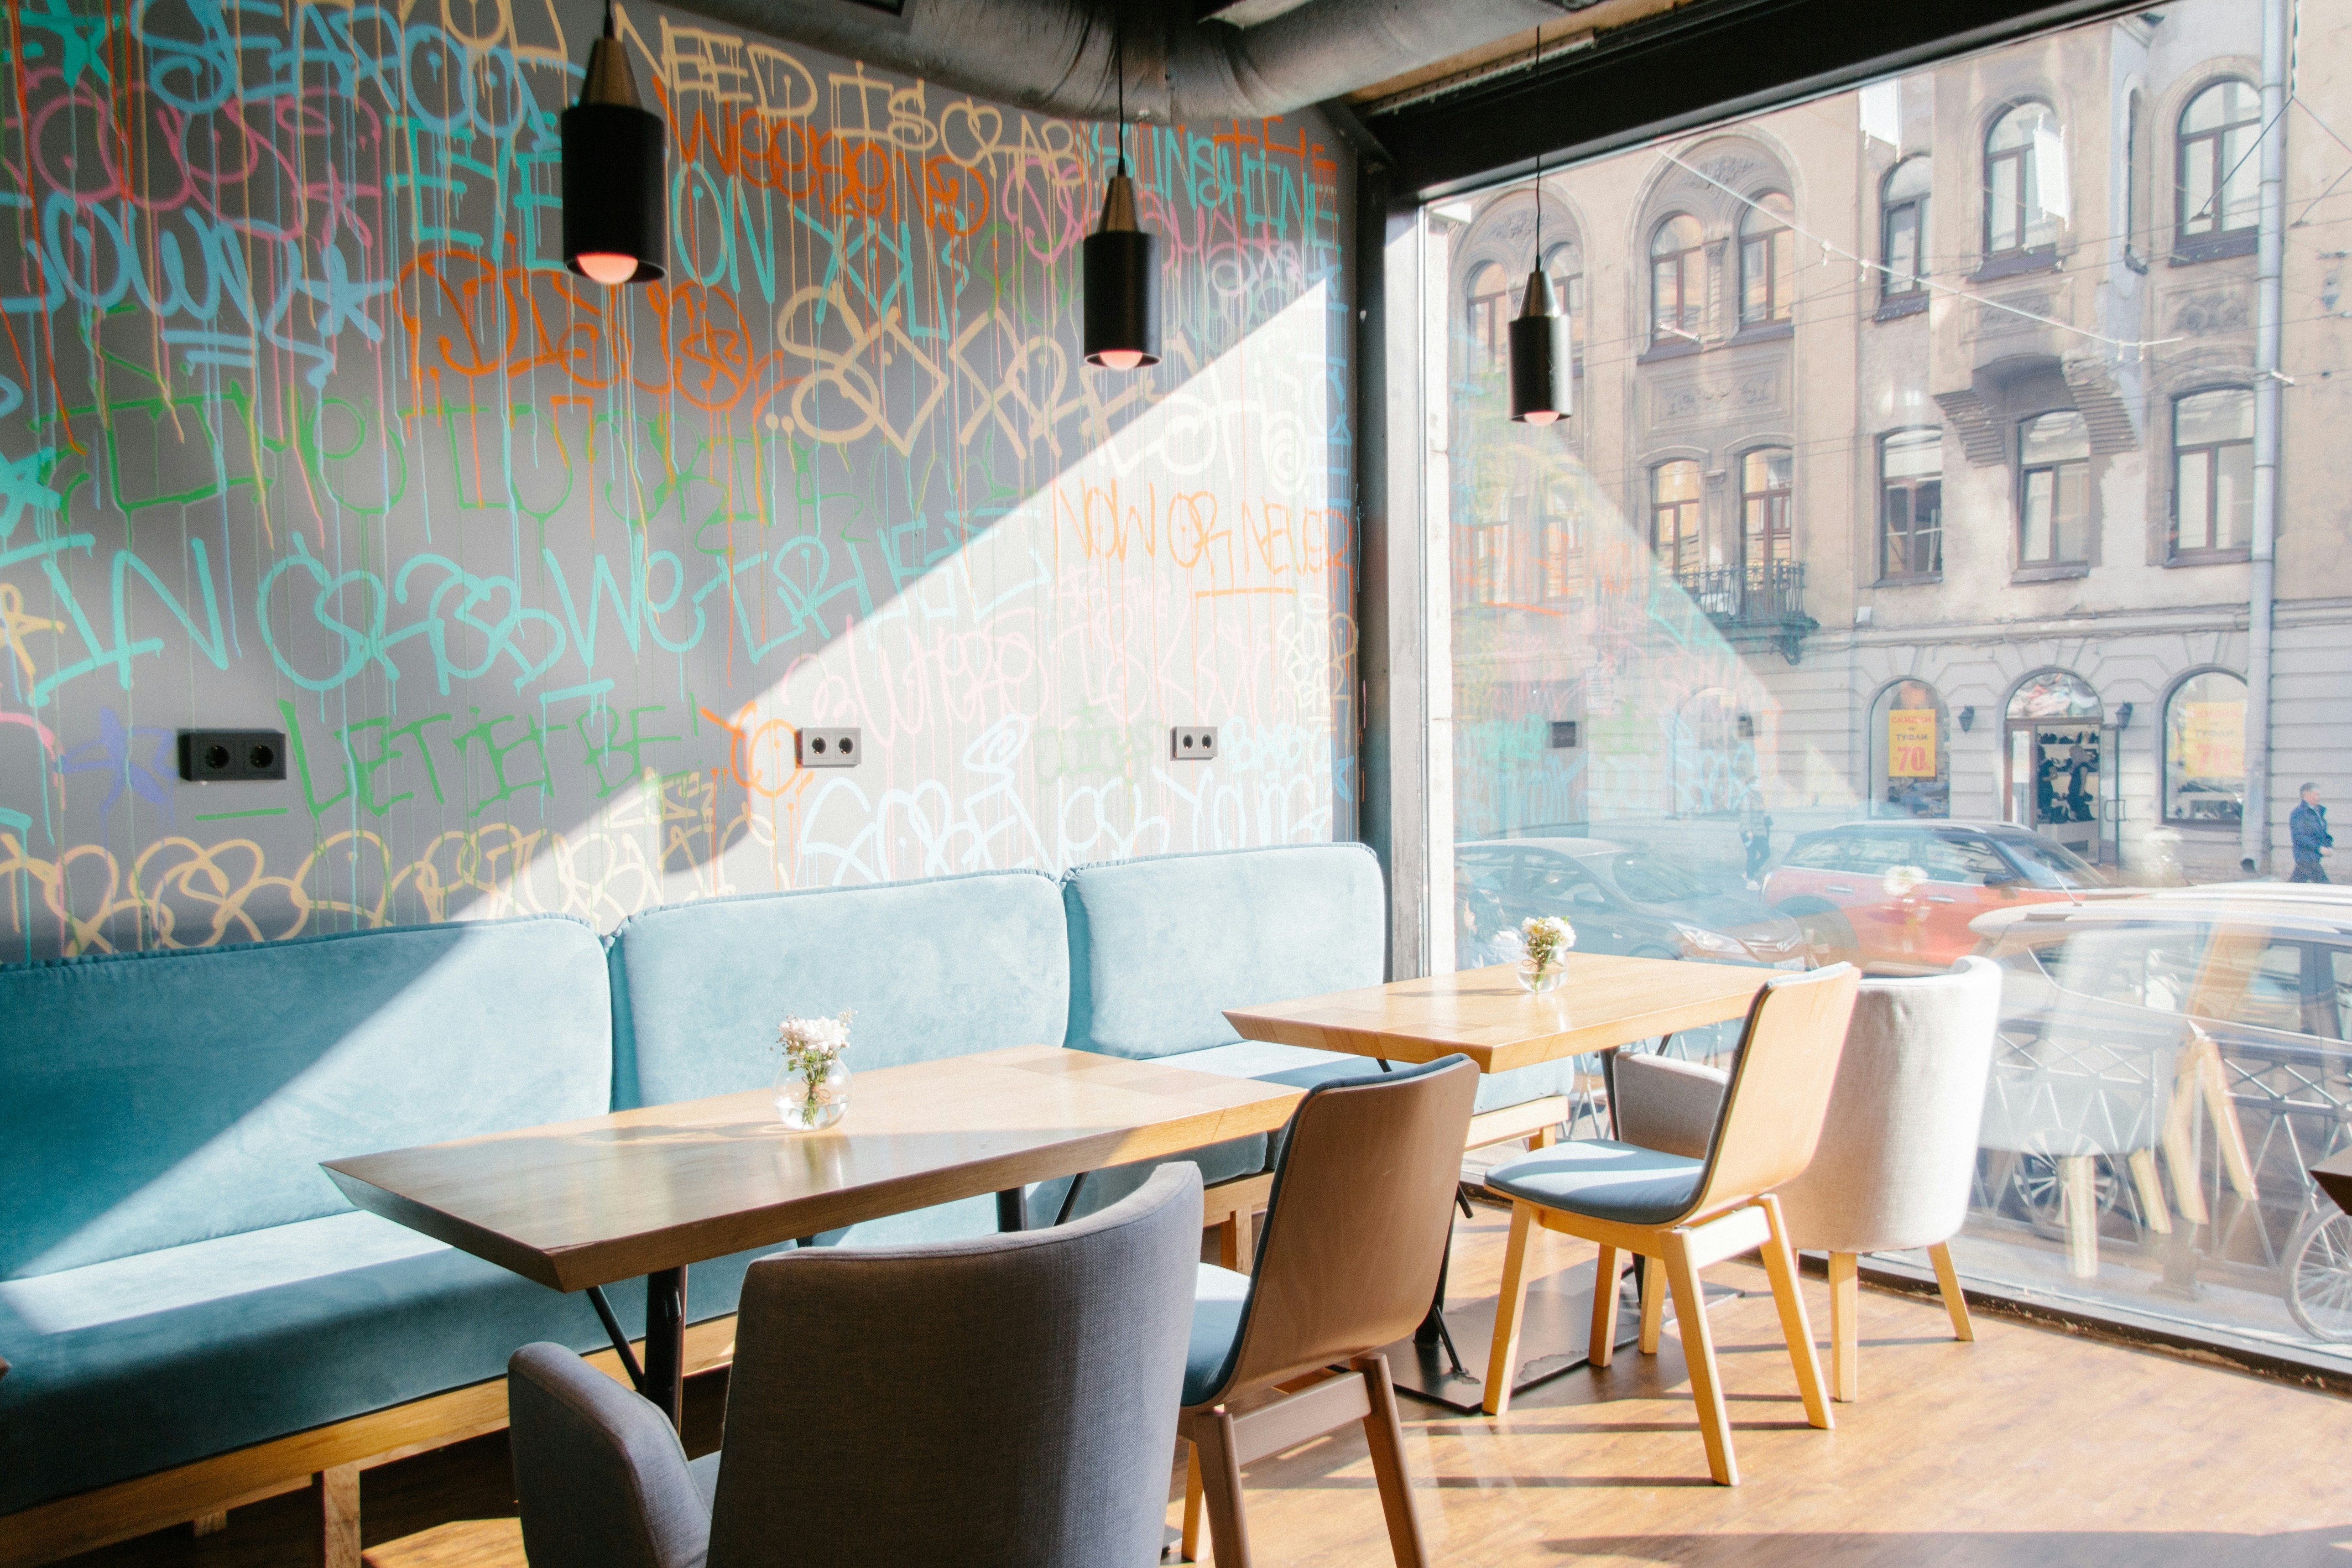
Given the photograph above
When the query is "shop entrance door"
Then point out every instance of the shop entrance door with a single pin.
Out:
(2055, 781)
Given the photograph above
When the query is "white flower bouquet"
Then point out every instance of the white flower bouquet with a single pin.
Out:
(1542, 941)
(812, 1085)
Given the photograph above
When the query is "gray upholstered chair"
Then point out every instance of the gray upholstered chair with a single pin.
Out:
(1898, 1149)
(1347, 1262)
(1010, 1400)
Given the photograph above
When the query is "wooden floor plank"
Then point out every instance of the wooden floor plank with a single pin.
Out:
(2028, 1449)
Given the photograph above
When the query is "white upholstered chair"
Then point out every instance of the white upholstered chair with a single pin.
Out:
(1898, 1151)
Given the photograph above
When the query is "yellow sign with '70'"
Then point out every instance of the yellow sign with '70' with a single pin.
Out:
(1911, 743)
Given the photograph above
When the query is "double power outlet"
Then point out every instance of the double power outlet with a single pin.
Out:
(1192, 743)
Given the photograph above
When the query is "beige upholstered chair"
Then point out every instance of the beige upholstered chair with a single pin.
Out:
(1685, 1211)
(1898, 1147)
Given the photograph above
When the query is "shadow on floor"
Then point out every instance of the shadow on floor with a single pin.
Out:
(1976, 1549)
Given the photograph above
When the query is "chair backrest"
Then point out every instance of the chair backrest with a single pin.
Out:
(1010, 1400)
(1780, 1090)
(598, 1471)
(1899, 1146)
(1355, 1231)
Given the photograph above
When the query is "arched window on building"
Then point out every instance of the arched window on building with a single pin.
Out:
(1677, 281)
(1489, 311)
(1903, 229)
(1675, 516)
(2054, 490)
(2024, 181)
(2218, 186)
(1911, 503)
(1768, 260)
(2205, 749)
(2056, 739)
(2212, 471)
(1910, 753)
(1564, 264)
(1766, 510)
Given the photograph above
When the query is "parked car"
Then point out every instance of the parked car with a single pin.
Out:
(2098, 997)
(1852, 887)
(1619, 898)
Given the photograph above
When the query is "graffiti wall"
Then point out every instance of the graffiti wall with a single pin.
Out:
(303, 426)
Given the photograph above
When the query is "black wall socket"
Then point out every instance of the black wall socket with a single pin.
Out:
(222, 756)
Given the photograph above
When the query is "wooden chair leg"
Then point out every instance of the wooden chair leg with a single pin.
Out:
(1188, 1549)
(1698, 1357)
(1220, 1485)
(2078, 1203)
(1796, 1327)
(335, 1501)
(1653, 1304)
(2229, 1136)
(2180, 1153)
(2153, 1208)
(1845, 1326)
(1503, 1357)
(1237, 1241)
(1384, 1435)
(1600, 1346)
(1948, 1285)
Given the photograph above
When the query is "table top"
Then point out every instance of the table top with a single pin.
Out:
(1604, 1002)
(590, 1202)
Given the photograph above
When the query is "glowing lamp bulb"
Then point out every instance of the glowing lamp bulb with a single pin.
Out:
(1119, 359)
(1541, 416)
(607, 268)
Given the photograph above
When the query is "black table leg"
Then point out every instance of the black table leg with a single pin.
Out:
(666, 1341)
(1012, 1209)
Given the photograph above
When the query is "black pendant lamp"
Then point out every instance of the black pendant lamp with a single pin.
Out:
(616, 174)
(1121, 265)
(1539, 363)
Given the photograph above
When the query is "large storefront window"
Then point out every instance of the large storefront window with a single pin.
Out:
(2205, 749)
(1893, 628)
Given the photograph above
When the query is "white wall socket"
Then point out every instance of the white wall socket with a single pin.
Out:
(1192, 743)
(830, 748)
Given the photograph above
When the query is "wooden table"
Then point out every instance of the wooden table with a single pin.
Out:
(581, 1204)
(1605, 1002)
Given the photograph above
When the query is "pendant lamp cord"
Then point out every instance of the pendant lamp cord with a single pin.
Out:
(610, 30)
(1119, 53)
(1539, 166)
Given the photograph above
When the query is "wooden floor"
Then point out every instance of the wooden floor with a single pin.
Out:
(2029, 1447)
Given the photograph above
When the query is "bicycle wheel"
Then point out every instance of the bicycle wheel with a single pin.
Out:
(2319, 1276)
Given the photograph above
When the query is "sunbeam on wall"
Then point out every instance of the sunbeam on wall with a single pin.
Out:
(303, 426)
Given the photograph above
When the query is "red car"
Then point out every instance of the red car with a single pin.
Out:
(1899, 895)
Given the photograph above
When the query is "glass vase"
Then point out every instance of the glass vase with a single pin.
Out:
(809, 1102)
(1541, 978)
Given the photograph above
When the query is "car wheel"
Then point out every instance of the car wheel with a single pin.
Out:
(2319, 1276)
(1829, 935)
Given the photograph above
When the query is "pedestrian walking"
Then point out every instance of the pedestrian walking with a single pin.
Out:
(1754, 831)
(2307, 825)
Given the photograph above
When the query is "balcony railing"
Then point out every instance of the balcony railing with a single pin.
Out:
(1755, 604)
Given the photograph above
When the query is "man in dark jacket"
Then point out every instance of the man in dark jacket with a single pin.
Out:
(2306, 825)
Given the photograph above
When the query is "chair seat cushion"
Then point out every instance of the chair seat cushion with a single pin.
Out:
(1603, 1180)
(138, 1364)
(1217, 1302)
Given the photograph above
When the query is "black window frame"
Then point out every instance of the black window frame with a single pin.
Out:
(2217, 239)
(2208, 552)
(1912, 484)
(1781, 499)
(2057, 471)
(2025, 252)
(1776, 245)
(1692, 540)
(1687, 259)
(1909, 211)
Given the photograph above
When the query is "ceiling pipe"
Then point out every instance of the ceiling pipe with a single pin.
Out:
(1058, 56)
